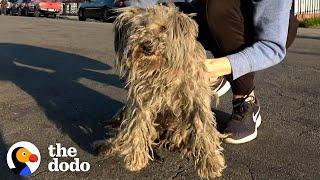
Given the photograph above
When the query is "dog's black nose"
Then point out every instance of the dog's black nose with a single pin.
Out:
(147, 48)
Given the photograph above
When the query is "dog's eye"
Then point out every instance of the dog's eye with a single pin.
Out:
(162, 28)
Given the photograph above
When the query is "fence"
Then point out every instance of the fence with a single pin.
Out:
(307, 8)
(70, 9)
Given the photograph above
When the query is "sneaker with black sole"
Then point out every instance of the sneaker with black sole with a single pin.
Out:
(245, 120)
(221, 87)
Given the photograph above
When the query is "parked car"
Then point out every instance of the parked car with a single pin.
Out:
(176, 2)
(47, 8)
(36, 8)
(11, 3)
(103, 9)
(14, 7)
(97, 9)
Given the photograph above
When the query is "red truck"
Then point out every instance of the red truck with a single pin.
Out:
(48, 7)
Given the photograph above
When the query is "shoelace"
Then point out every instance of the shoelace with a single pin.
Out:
(241, 107)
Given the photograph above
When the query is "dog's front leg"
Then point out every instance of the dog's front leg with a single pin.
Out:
(206, 143)
(136, 137)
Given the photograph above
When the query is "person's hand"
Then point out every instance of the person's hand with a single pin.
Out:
(217, 67)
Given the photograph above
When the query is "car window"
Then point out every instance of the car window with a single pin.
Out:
(93, 1)
(110, 3)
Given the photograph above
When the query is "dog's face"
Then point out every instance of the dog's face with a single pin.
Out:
(159, 37)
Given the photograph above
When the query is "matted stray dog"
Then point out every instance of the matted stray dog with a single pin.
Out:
(169, 96)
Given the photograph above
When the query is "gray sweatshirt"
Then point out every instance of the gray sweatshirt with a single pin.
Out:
(271, 22)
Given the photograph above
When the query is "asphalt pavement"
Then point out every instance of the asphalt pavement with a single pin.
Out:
(57, 82)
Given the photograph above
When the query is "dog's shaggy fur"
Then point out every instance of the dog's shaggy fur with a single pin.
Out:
(169, 97)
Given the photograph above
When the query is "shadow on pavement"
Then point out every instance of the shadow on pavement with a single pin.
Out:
(304, 52)
(5, 172)
(52, 78)
(222, 119)
(308, 37)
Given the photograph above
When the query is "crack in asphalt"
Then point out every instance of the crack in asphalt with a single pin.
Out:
(177, 173)
(309, 131)
(180, 170)
(251, 172)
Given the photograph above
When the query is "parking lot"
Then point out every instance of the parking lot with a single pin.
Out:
(57, 82)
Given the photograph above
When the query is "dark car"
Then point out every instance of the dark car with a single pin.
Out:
(22, 7)
(15, 7)
(97, 9)
(11, 3)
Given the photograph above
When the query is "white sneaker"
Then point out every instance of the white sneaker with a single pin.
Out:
(221, 87)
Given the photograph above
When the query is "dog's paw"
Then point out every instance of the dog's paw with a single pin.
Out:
(211, 167)
(137, 160)
(136, 165)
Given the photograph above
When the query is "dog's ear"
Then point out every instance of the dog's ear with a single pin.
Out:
(183, 26)
(182, 33)
(121, 25)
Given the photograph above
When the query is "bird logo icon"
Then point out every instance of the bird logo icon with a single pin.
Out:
(23, 158)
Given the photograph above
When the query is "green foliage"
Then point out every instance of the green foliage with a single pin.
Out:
(310, 22)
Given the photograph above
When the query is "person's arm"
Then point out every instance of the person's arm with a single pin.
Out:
(218, 67)
(271, 21)
(143, 3)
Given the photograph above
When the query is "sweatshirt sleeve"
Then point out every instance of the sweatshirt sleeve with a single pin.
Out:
(271, 22)
(143, 3)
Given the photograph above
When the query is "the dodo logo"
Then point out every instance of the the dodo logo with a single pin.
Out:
(23, 158)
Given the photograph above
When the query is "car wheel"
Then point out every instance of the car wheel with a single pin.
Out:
(81, 16)
(23, 12)
(19, 12)
(106, 15)
(36, 14)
